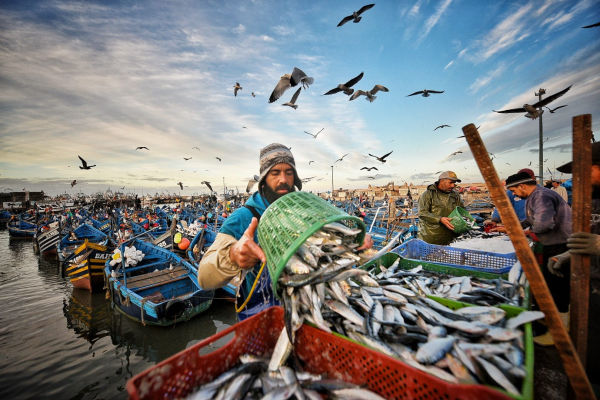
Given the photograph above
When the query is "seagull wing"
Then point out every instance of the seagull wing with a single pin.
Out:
(295, 96)
(385, 155)
(83, 162)
(282, 86)
(375, 168)
(560, 107)
(377, 88)
(333, 91)
(354, 80)
(357, 94)
(368, 169)
(591, 26)
(345, 19)
(372, 155)
(297, 76)
(550, 99)
(412, 94)
(512, 110)
(218, 158)
(308, 133)
(364, 8)
(435, 91)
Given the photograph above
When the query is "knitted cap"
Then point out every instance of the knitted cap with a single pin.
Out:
(518, 178)
(274, 154)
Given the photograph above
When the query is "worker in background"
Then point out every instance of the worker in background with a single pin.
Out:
(560, 189)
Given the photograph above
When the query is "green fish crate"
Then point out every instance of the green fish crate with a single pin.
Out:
(460, 225)
(473, 260)
(290, 220)
(320, 353)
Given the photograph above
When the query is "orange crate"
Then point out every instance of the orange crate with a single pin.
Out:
(321, 353)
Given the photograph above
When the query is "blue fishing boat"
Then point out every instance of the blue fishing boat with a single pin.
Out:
(4, 217)
(77, 237)
(19, 228)
(161, 289)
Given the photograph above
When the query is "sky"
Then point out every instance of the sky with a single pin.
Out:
(98, 79)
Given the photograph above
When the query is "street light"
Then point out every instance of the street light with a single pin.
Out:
(541, 138)
(332, 182)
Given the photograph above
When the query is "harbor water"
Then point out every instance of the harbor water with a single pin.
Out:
(58, 342)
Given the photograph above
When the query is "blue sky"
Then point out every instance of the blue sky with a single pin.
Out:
(100, 78)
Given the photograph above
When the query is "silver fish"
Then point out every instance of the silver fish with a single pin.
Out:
(497, 376)
(523, 318)
(434, 350)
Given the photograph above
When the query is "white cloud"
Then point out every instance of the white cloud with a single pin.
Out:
(239, 29)
(485, 80)
(283, 30)
(433, 19)
(449, 64)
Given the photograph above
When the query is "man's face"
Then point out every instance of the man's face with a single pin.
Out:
(280, 179)
(518, 191)
(446, 185)
(555, 184)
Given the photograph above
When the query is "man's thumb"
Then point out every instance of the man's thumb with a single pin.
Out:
(251, 228)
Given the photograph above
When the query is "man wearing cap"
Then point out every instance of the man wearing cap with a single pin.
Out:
(438, 201)
(561, 190)
(549, 218)
(235, 250)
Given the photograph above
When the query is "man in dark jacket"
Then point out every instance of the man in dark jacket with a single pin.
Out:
(438, 201)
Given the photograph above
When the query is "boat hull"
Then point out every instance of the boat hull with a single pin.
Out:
(85, 270)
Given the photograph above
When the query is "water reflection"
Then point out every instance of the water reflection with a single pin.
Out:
(88, 314)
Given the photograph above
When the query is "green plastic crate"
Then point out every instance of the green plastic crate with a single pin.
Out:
(456, 216)
(290, 220)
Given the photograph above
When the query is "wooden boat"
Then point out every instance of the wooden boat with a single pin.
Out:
(85, 268)
(19, 228)
(162, 289)
(77, 237)
(46, 239)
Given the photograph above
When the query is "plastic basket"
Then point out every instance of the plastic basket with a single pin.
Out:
(473, 260)
(456, 216)
(320, 352)
(292, 219)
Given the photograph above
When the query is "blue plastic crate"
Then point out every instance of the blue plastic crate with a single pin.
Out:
(475, 260)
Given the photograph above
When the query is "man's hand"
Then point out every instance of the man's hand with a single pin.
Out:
(246, 253)
(367, 243)
(446, 222)
(584, 243)
(556, 263)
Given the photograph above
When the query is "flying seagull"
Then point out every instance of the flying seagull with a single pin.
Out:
(552, 110)
(592, 26)
(441, 126)
(370, 95)
(142, 147)
(208, 185)
(253, 95)
(74, 182)
(355, 17)
(370, 177)
(455, 153)
(383, 157)
(236, 87)
(346, 87)
(370, 168)
(289, 80)
(341, 158)
(292, 102)
(311, 161)
(84, 164)
(316, 134)
(187, 158)
(532, 110)
(180, 185)
(196, 147)
(425, 92)
(251, 183)
(218, 158)
(310, 178)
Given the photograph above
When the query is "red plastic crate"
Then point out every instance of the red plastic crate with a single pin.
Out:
(321, 352)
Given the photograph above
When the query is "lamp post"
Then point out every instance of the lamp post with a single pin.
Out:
(541, 146)
(332, 182)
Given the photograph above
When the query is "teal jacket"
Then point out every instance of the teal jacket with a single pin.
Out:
(434, 204)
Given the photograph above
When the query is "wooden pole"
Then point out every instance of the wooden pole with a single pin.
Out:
(568, 355)
(582, 211)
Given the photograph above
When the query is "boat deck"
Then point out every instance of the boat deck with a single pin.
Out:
(156, 278)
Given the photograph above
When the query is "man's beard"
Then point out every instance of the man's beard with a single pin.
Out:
(272, 195)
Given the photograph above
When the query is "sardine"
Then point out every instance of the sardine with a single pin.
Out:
(434, 350)
(497, 376)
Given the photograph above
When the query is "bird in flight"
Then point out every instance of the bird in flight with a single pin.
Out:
(355, 17)
(123, 188)
(316, 134)
(341, 158)
(289, 80)
(208, 185)
(74, 182)
(425, 92)
(187, 158)
(370, 95)
(180, 185)
(310, 178)
(84, 164)
(142, 148)
(370, 168)
(455, 153)
(251, 183)
(292, 102)
(383, 157)
(531, 111)
(441, 126)
(310, 162)
(370, 177)
(236, 87)
(253, 95)
(346, 87)
(218, 158)
(592, 26)
(529, 164)
(196, 147)
(552, 110)
(491, 155)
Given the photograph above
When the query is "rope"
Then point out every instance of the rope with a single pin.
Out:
(237, 310)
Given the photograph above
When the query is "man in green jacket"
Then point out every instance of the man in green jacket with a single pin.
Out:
(438, 201)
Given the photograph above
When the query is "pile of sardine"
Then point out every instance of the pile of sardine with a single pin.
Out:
(251, 379)
(471, 345)
(474, 290)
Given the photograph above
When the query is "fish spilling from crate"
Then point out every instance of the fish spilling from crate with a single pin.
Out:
(251, 379)
(477, 344)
